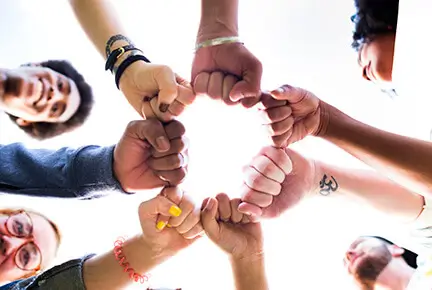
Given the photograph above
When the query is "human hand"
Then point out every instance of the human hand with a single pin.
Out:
(155, 91)
(150, 155)
(231, 230)
(275, 181)
(291, 114)
(229, 72)
(175, 208)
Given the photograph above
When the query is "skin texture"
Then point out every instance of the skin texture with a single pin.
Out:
(151, 154)
(141, 81)
(36, 94)
(44, 238)
(376, 59)
(153, 246)
(367, 258)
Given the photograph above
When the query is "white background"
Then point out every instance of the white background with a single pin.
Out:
(303, 43)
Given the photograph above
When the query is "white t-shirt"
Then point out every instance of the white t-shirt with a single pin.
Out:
(412, 74)
(422, 234)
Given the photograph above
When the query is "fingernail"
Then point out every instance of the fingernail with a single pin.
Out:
(162, 143)
(175, 211)
(160, 225)
(210, 204)
(277, 91)
(168, 226)
(163, 108)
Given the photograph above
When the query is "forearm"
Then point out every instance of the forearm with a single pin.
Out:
(105, 271)
(369, 187)
(249, 274)
(100, 22)
(405, 160)
(66, 172)
(219, 18)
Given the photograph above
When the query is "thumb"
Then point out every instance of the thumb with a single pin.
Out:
(166, 80)
(245, 89)
(289, 93)
(160, 205)
(208, 219)
(152, 131)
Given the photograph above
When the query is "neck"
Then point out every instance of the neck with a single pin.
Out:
(387, 279)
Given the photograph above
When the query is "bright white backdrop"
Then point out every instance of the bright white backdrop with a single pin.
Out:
(304, 43)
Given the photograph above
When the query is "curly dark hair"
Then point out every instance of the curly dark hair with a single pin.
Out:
(373, 18)
(45, 130)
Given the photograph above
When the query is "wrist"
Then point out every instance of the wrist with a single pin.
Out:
(245, 259)
(249, 273)
(130, 73)
(214, 30)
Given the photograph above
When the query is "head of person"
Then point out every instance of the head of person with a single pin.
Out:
(374, 261)
(45, 99)
(374, 38)
(28, 243)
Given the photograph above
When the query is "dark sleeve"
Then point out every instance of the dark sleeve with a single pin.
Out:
(62, 173)
(67, 276)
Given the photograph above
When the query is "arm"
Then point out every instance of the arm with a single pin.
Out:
(249, 274)
(405, 160)
(100, 23)
(370, 187)
(62, 173)
(95, 272)
(104, 271)
(219, 18)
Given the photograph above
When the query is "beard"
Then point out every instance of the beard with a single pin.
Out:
(371, 267)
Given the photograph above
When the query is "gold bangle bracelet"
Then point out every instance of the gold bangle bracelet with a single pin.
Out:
(218, 41)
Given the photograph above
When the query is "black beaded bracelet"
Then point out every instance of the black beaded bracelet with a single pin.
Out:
(116, 54)
(124, 65)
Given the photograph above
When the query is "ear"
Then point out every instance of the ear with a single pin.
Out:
(23, 123)
(396, 251)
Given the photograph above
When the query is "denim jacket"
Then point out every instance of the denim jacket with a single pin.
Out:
(67, 172)
(67, 276)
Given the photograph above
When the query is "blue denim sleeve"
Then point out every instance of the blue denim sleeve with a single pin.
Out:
(61, 173)
(67, 276)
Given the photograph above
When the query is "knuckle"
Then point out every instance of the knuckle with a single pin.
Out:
(178, 176)
(132, 125)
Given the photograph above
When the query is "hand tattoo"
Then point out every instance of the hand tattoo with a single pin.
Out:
(327, 186)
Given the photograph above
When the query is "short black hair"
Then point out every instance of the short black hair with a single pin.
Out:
(45, 130)
(373, 17)
(409, 256)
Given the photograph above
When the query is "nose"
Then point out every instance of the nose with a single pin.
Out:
(9, 244)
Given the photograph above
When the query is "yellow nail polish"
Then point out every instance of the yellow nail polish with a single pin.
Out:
(175, 210)
(160, 225)
(169, 226)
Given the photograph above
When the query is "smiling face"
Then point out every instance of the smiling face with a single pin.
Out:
(27, 242)
(38, 94)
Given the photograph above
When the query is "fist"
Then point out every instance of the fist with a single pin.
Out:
(275, 181)
(291, 114)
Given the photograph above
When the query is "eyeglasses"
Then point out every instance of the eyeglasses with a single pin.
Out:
(27, 257)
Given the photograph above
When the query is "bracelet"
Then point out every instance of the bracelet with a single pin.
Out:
(116, 54)
(127, 62)
(218, 41)
(113, 39)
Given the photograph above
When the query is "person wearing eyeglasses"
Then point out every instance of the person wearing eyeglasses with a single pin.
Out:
(229, 229)
(156, 244)
(28, 243)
